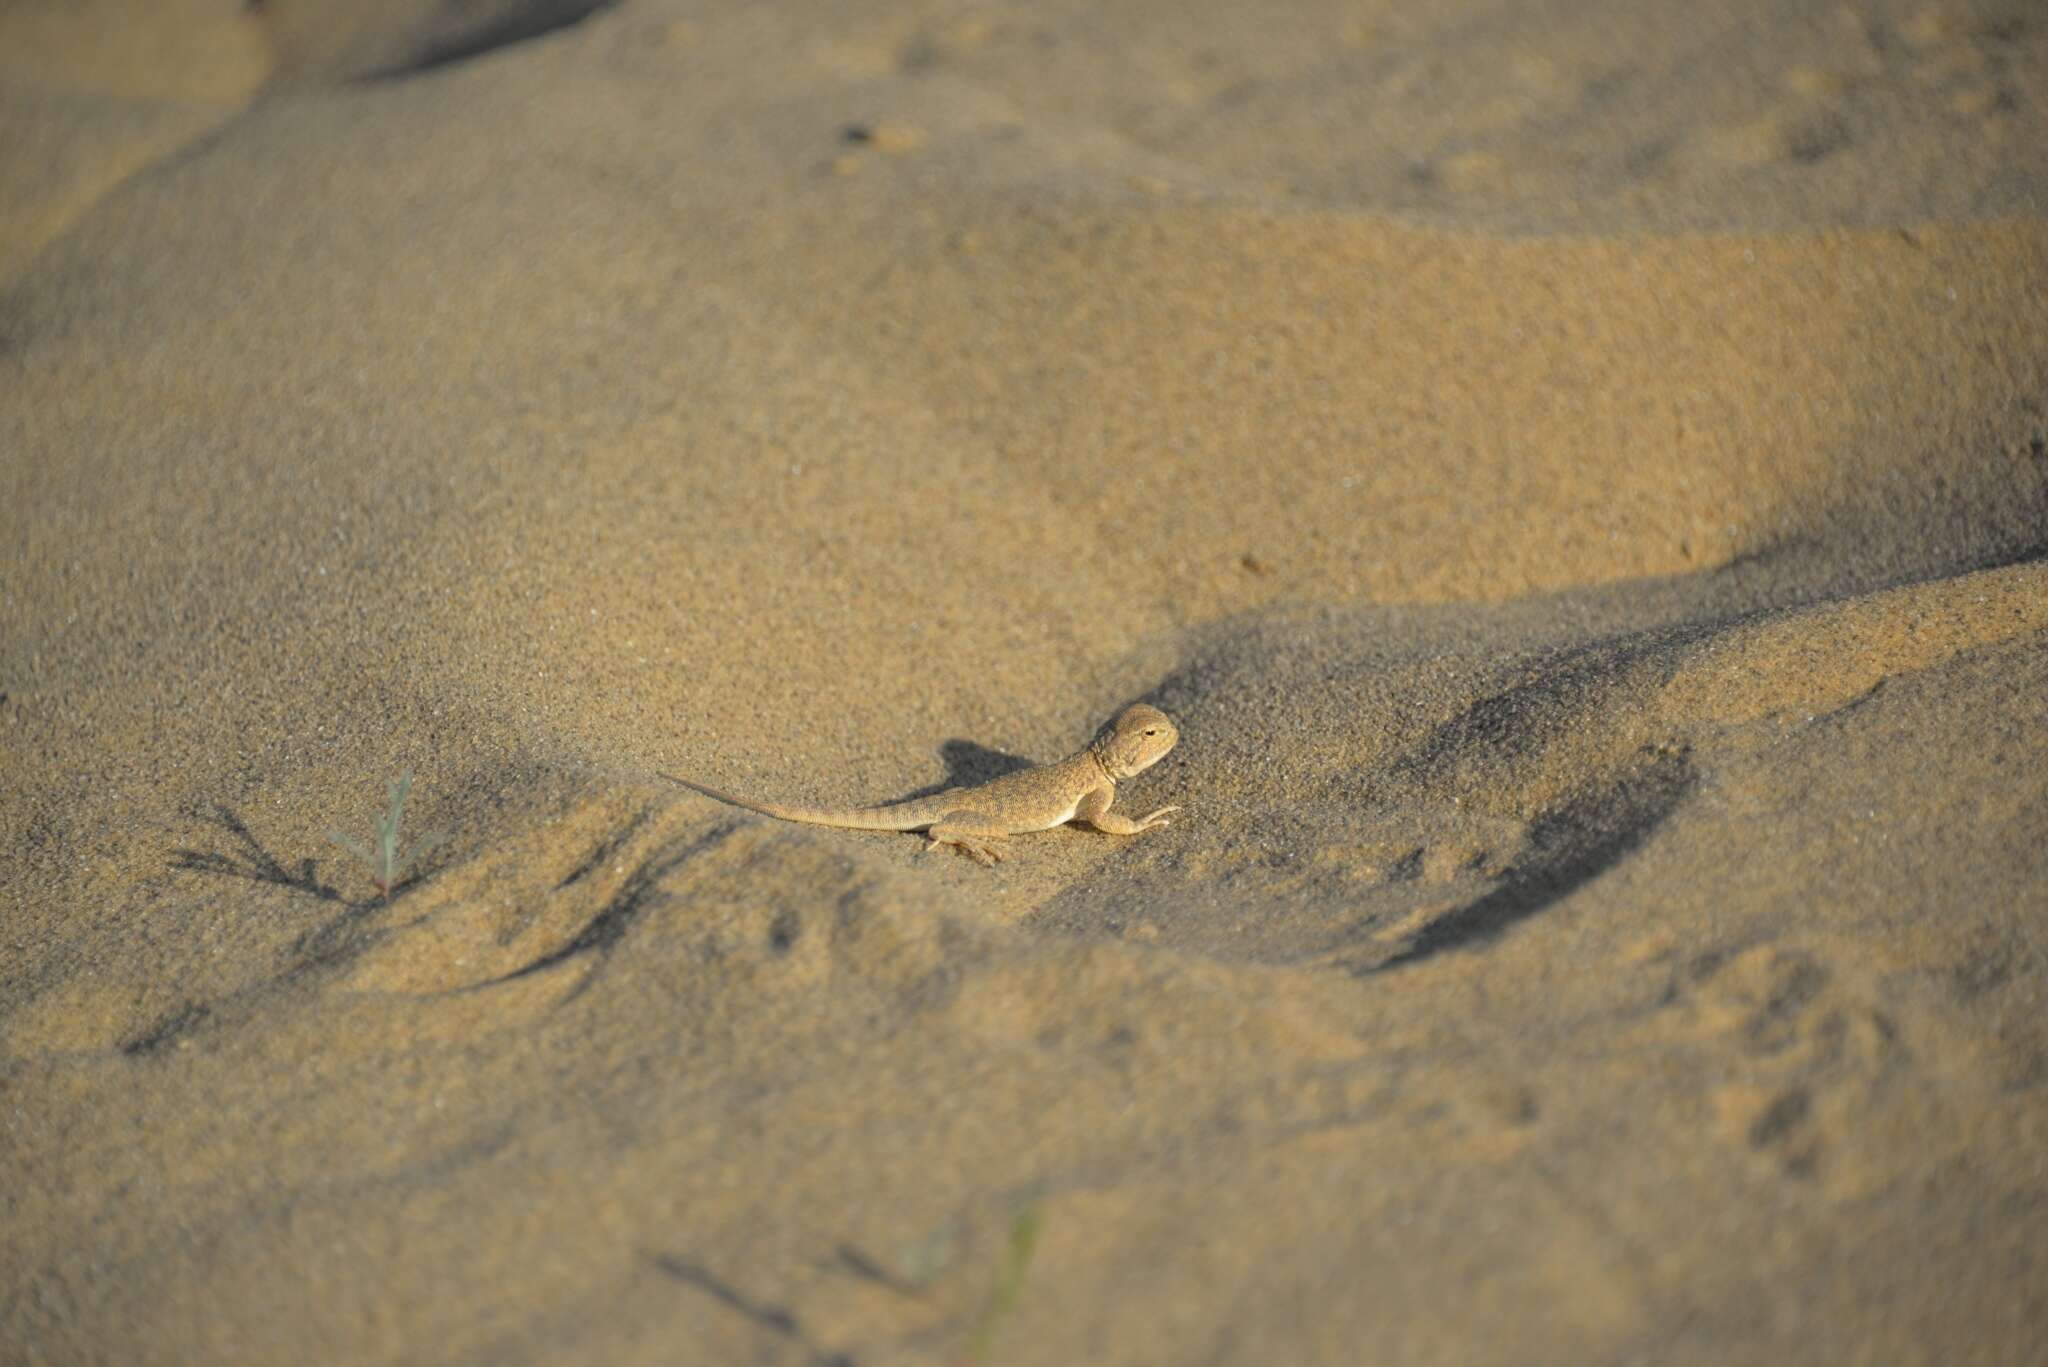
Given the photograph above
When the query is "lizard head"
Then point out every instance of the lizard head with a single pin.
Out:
(1136, 740)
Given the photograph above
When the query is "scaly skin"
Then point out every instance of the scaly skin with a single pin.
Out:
(1080, 787)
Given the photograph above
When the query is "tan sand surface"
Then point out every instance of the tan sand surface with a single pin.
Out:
(1577, 473)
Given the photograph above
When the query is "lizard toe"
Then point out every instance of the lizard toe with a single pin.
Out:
(981, 853)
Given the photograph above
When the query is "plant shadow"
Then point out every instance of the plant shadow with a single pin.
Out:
(254, 863)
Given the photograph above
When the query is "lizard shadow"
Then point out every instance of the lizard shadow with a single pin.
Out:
(968, 764)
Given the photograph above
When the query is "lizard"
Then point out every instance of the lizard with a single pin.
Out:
(1080, 787)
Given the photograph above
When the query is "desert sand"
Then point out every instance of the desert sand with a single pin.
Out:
(1577, 474)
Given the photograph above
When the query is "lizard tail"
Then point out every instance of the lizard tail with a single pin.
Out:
(908, 816)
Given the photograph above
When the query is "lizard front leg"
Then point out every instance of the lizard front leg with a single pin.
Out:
(1094, 809)
(969, 832)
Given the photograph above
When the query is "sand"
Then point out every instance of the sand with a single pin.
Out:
(1576, 473)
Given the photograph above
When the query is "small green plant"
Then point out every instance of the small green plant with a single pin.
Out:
(920, 1261)
(382, 856)
(1002, 1297)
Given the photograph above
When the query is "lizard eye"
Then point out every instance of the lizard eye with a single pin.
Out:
(1151, 730)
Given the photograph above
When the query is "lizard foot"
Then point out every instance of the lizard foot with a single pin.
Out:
(1158, 818)
(980, 851)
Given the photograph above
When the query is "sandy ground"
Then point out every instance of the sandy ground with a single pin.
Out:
(1576, 472)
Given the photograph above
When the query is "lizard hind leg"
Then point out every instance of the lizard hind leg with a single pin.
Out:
(969, 833)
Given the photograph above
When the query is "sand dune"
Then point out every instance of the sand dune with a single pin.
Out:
(1577, 475)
